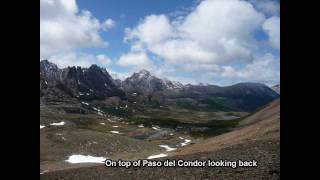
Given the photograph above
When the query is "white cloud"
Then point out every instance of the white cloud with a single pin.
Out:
(80, 59)
(268, 7)
(272, 27)
(215, 32)
(211, 42)
(139, 59)
(263, 69)
(63, 28)
(108, 24)
(214, 20)
(153, 29)
(119, 75)
(103, 59)
(216, 37)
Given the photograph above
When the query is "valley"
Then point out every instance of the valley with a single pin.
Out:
(87, 116)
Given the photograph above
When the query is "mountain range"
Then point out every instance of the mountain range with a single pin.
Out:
(142, 88)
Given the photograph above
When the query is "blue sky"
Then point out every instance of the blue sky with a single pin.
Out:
(127, 14)
(191, 41)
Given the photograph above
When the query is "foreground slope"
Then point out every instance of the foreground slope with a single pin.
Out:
(257, 137)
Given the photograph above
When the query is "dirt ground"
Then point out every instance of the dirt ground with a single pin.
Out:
(257, 138)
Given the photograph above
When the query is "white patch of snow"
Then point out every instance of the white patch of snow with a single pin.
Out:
(115, 126)
(181, 138)
(110, 120)
(41, 126)
(85, 103)
(102, 123)
(167, 147)
(44, 171)
(186, 142)
(115, 132)
(156, 128)
(58, 124)
(157, 156)
(85, 159)
(96, 109)
(141, 126)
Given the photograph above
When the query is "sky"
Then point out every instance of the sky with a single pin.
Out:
(218, 42)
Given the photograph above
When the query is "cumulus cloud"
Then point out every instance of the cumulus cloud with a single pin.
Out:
(153, 29)
(215, 32)
(212, 42)
(268, 7)
(119, 75)
(216, 37)
(264, 69)
(80, 59)
(108, 24)
(63, 28)
(135, 59)
(103, 59)
(272, 27)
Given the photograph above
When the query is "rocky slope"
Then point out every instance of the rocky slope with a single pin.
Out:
(238, 97)
(84, 111)
(76, 82)
(145, 82)
(257, 137)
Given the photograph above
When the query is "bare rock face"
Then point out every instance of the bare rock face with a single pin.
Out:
(144, 81)
(76, 82)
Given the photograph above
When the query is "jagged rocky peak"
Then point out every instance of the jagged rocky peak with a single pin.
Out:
(85, 83)
(142, 74)
(46, 65)
(173, 84)
(49, 70)
(93, 81)
(145, 81)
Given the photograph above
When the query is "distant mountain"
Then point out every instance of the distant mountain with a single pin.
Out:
(145, 90)
(276, 88)
(144, 81)
(236, 90)
(238, 97)
(83, 83)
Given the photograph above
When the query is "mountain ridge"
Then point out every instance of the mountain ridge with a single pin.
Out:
(95, 83)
